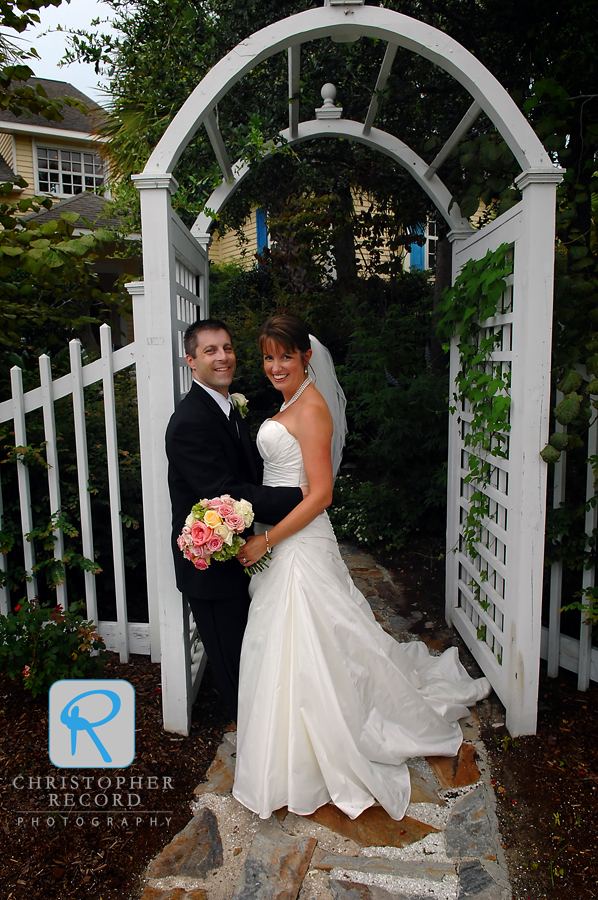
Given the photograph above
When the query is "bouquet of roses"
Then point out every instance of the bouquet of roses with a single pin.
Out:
(212, 531)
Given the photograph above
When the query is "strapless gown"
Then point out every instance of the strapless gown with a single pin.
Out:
(330, 706)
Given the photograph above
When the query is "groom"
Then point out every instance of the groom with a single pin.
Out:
(210, 453)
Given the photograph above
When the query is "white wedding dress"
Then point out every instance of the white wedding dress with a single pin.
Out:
(330, 706)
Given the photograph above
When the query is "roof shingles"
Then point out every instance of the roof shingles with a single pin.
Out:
(73, 119)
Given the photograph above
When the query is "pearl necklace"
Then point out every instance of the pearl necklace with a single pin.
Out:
(297, 394)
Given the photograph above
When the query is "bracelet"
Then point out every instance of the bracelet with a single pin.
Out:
(268, 547)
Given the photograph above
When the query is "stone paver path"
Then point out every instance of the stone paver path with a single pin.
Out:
(447, 846)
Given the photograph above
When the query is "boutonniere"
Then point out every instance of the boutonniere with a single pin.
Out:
(240, 404)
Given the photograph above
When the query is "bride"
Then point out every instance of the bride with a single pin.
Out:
(330, 706)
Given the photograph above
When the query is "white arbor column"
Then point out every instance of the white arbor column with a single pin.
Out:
(153, 310)
(530, 414)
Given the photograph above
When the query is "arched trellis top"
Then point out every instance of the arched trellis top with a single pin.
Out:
(345, 23)
(345, 128)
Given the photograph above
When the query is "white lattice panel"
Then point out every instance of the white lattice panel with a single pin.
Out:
(189, 297)
(494, 596)
(482, 580)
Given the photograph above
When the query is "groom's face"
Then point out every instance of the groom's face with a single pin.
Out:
(214, 362)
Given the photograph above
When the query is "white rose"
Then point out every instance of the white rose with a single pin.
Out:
(225, 533)
(245, 509)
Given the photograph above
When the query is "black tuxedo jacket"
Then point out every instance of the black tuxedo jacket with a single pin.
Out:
(210, 455)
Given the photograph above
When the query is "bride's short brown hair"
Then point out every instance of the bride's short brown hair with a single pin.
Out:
(285, 331)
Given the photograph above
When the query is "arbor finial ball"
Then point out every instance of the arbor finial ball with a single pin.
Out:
(328, 92)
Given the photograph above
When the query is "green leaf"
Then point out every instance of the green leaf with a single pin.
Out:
(571, 382)
(568, 409)
(592, 365)
(559, 440)
(550, 454)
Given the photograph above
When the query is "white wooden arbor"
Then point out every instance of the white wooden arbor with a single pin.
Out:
(175, 289)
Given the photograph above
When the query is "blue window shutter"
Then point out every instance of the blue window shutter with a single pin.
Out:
(262, 233)
(417, 257)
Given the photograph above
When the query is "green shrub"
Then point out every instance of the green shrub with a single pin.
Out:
(43, 644)
(368, 514)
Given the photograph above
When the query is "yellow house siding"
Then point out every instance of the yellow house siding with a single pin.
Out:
(229, 248)
(362, 203)
(6, 148)
(24, 167)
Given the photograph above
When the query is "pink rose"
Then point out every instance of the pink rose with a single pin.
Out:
(216, 503)
(201, 564)
(200, 533)
(181, 541)
(236, 522)
(214, 545)
(226, 510)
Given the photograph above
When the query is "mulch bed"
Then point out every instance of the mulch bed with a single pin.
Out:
(547, 792)
(75, 857)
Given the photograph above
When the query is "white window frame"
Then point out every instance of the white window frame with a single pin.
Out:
(59, 148)
(431, 239)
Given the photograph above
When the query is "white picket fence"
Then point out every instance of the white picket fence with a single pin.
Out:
(120, 636)
(573, 654)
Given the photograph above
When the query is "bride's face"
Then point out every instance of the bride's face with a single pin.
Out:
(285, 368)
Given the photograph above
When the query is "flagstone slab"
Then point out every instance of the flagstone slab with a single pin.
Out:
(475, 883)
(193, 852)
(353, 890)
(414, 870)
(456, 771)
(221, 774)
(468, 831)
(421, 790)
(373, 828)
(471, 726)
(275, 866)
(152, 893)
(398, 624)
(367, 572)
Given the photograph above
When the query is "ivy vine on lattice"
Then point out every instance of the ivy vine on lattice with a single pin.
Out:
(482, 384)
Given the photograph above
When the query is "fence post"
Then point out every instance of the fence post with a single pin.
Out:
(137, 291)
(83, 475)
(4, 592)
(556, 569)
(16, 380)
(114, 492)
(45, 372)
(589, 574)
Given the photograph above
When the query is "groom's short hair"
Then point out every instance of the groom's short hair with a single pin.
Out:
(193, 332)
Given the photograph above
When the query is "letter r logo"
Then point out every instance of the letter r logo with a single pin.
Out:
(92, 724)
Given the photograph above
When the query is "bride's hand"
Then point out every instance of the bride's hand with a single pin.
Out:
(252, 550)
